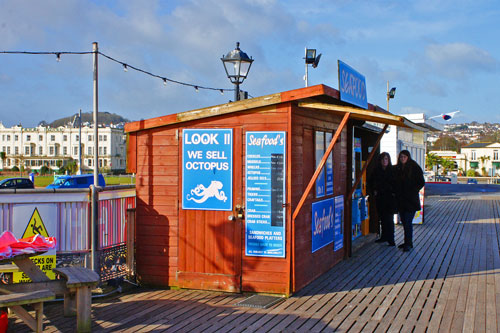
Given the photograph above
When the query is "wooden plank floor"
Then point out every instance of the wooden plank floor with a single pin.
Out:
(449, 282)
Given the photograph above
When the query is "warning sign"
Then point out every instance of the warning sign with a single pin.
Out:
(35, 226)
(31, 220)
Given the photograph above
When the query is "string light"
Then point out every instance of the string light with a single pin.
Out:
(126, 67)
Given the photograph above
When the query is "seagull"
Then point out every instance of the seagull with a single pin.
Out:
(446, 116)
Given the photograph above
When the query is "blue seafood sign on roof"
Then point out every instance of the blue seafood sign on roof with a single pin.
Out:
(352, 86)
(207, 169)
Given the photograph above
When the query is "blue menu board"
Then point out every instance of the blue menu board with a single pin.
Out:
(322, 224)
(339, 223)
(207, 169)
(265, 194)
(329, 165)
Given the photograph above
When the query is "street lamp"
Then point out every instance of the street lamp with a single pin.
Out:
(310, 59)
(390, 94)
(237, 65)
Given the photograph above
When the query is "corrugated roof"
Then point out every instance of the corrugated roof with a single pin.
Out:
(319, 97)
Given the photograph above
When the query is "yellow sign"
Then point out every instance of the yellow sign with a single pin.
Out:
(35, 226)
(45, 262)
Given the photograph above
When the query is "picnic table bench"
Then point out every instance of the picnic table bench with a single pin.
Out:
(78, 294)
(76, 285)
(14, 302)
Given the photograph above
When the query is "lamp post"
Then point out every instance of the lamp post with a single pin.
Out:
(310, 59)
(237, 65)
(390, 94)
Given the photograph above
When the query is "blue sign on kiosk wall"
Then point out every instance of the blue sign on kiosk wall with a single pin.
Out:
(265, 194)
(339, 223)
(352, 86)
(207, 169)
(322, 223)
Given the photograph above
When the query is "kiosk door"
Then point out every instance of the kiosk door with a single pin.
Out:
(210, 230)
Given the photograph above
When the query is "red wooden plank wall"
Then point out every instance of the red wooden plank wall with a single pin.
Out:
(309, 266)
(157, 205)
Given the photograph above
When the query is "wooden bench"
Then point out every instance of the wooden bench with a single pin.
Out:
(78, 294)
(14, 302)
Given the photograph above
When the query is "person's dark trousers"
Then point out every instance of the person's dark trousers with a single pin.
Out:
(407, 220)
(387, 223)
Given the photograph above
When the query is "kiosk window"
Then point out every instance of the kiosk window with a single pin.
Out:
(324, 183)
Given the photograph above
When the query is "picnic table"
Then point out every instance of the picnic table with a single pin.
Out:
(76, 285)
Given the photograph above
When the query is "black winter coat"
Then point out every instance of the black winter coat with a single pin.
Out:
(409, 181)
(381, 184)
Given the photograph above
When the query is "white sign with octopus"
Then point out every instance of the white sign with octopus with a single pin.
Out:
(207, 169)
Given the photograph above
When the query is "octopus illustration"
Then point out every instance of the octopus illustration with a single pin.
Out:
(204, 193)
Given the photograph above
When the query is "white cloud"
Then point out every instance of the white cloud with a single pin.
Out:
(459, 60)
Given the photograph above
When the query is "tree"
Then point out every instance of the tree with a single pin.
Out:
(432, 160)
(447, 165)
(2, 156)
(45, 170)
(471, 173)
(447, 143)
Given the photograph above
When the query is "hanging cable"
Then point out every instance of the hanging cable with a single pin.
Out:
(125, 66)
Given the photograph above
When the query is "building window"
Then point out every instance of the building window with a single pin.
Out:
(90, 151)
(52, 138)
(26, 150)
(105, 150)
(65, 138)
(75, 150)
(8, 137)
(105, 138)
(89, 162)
(51, 150)
(65, 150)
(16, 150)
(40, 150)
(100, 137)
(100, 150)
(77, 137)
(28, 137)
(105, 162)
(40, 138)
(8, 150)
(16, 138)
(3, 149)
(90, 138)
(495, 155)
(473, 155)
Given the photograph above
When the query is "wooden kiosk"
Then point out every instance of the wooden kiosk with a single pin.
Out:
(244, 196)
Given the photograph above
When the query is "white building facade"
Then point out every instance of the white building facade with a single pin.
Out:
(33, 148)
(483, 157)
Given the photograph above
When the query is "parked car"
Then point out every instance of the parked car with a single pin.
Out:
(443, 179)
(76, 181)
(472, 181)
(16, 183)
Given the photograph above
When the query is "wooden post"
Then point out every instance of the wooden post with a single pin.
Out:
(131, 242)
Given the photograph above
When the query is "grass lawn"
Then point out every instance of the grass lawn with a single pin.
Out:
(43, 181)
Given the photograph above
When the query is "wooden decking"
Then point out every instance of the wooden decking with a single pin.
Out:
(450, 282)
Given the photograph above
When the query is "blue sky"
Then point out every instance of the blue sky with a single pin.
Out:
(441, 55)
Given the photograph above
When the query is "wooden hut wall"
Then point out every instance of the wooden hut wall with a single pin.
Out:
(211, 250)
(157, 181)
(308, 265)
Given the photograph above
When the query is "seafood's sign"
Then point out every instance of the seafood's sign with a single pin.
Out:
(207, 169)
(265, 194)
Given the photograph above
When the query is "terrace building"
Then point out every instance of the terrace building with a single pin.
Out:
(54, 147)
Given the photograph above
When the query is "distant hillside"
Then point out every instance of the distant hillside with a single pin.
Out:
(105, 118)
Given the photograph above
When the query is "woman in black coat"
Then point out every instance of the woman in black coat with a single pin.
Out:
(409, 181)
(382, 186)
